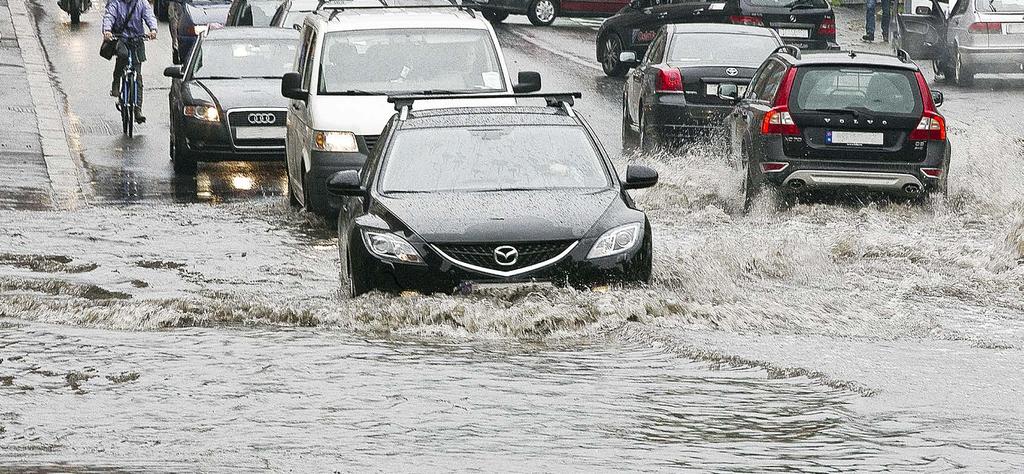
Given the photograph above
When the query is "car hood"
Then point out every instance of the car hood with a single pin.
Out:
(372, 112)
(513, 216)
(209, 13)
(239, 93)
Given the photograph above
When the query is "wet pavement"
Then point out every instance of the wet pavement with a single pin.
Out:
(194, 324)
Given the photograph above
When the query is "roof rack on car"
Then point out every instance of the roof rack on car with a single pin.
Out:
(563, 100)
(788, 48)
(337, 7)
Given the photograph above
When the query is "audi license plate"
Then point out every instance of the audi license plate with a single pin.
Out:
(712, 89)
(794, 33)
(854, 138)
(259, 133)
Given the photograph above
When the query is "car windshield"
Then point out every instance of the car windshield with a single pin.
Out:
(409, 60)
(258, 13)
(251, 57)
(720, 49)
(462, 159)
(1001, 6)
(872, 90)
(788, 4)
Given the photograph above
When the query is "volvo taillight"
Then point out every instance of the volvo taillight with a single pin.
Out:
(778, 120)
(669, 80)
(827, 28)
(746, 20)
(932, 126)
(985, 27)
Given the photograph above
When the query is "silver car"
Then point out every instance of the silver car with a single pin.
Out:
(968, 38)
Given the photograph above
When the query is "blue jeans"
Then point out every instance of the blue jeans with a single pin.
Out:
(870, 15)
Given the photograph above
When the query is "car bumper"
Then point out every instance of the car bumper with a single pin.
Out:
(674, 117)
(993, 60)
(212, 142)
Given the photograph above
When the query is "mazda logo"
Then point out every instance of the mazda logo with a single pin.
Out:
(262, 119)
(506, 255)
(731, 71)
(792, 18)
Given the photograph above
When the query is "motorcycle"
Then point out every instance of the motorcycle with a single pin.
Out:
(75, 8)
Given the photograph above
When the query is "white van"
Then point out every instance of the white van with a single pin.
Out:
(353, 57)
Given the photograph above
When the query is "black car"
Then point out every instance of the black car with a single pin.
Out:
(225, 103)
(452, 198)
(673, 92)
(544, 12)
(839, 121)
(252, 12)
(808, 24)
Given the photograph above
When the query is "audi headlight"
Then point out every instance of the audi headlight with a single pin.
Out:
(335, 141)
(616, 241)
(390, 246)
(206, 113)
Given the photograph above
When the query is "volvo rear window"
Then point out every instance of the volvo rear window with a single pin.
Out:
(487, 159)
(890, 91)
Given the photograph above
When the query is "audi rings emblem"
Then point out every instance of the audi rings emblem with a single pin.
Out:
(506, 255)
(262, 119)
(792, 18)
(731, 71)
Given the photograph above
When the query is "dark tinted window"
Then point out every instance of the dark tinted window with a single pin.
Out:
(244, 58)
(767, 82)
(719, 49)
(788, 4)
(460, 159)
(875, 90)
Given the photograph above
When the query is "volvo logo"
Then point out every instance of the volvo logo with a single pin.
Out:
(792, 18)
(506, 255)
(262, 119)
(731, 71)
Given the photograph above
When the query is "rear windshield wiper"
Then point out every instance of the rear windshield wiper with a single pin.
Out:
(804, 5)
(852, 112)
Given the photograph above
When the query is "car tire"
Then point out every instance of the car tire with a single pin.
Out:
(542, 12)
(752, 188)
(611, 46)
(76, 16)
(629, 137)
(495, 16)
(649, 141)
(184, 163)
(645, 266)
(356, 283)
(962, 74)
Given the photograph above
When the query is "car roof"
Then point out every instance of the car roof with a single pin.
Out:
(250, 32)
(302, 5)
(719, 28)
(849, 58)
(401, 18)
(488, 116)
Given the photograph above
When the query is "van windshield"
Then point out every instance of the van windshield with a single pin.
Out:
(872, 90)
(409, 61)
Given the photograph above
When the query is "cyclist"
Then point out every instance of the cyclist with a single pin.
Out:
(136, 20)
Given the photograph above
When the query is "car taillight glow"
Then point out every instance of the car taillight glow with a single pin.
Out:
(669, 80)
(773, 166)
(932, 172)
(985, 27)
(778, 120)
(827, 27)
(746, 20)
(932, 126)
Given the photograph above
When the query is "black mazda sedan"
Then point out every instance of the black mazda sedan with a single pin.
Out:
(457, 198)
(225, 102)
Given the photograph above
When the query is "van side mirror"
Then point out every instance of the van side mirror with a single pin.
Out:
(529, 81)
(729, 92)
(937, 98)
(291, 87)
(345, 183)
(639, 177)
(174, 72)
(628, 58)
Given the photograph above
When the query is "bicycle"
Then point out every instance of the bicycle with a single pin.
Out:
(128, 98)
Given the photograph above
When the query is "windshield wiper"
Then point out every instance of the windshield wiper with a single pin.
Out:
(219, 77)
(402, 191)
(498, 190)
(356, 92)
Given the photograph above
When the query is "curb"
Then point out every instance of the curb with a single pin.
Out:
(65, 186)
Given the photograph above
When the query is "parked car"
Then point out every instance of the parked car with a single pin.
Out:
(251, 12)
(225, 102)
(290, 13)
(353, 58)
(672, 93)
(504, 195)
(187, 19)
(808, 24)
(544, 12)
(839, 121)
(978, 36)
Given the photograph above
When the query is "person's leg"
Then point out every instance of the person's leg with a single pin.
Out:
(115, 86)
(869, 20)
(138, 80)
(886, 16)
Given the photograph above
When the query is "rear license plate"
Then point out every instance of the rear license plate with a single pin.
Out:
(1013, 28)
(712, 89)
(854, 138)
(794, 33)
(259, 133)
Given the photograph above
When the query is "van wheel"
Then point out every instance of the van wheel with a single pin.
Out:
(542, 12)
(495, 16)
(292, 200)
(962, 74)
(611, 46)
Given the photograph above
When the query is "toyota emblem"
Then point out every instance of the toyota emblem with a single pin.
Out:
(262, 119)
(506, 255)
(731, 71)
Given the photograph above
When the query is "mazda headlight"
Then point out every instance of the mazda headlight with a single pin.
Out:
(390, 246)
(206, 113)
(616, 241)
(335, 141)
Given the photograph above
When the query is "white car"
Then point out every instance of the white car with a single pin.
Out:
(352, 58)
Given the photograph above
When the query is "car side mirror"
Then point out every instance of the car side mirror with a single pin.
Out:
(628, 58)
(291, 87)
(345, 183)
(529, 81)
(639, 177)
(937, 98)
(923, 10)
(729, 92)
(174, 72)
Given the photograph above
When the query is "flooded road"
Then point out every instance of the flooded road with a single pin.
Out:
(195, 324)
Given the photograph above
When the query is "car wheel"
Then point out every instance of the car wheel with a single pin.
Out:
(629, 137)
(542, 12)
(610, 49)
(356, 283)
(962, 74)
(495, 16)
(645, 265)
(184, 163)
(751, 187)
(649, 139)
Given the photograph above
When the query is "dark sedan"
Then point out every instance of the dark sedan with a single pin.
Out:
(225, 103)
(544, 12)
(673, 92)
(187, 19)
(462, 197)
